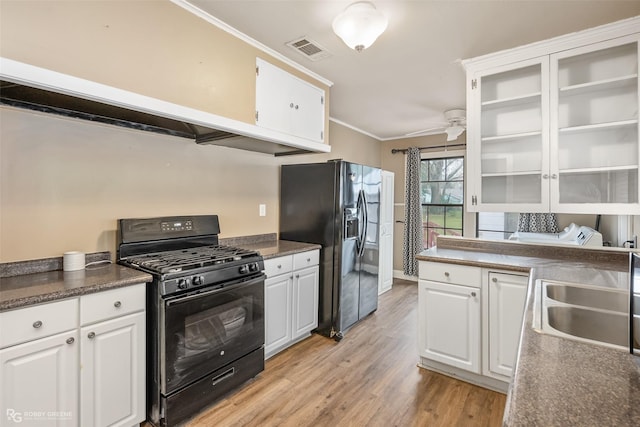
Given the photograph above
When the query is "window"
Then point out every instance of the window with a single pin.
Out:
(442, 197)
(496, 225)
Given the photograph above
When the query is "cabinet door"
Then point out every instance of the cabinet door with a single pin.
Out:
(272, 97)
(449, 324)
(594, 128)
(305, 301)
(112, 379)
(508, 138)
(507, 294)
(287, 104)
(39, 382)
(307, 118)
(278, 300)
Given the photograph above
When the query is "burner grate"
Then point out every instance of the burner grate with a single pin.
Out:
(189, 259)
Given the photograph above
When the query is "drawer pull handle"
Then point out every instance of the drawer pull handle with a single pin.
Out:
(297, 276)
(71, 340)
(37, 324)
(446, 274)
(279, 266)
(473, 294)
(91, 335)
(308, 259)
(117, 304)
(494, 280)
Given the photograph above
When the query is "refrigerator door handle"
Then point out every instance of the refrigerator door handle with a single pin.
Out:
(362, 224)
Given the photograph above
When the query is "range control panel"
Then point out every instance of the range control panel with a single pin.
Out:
(176, 225)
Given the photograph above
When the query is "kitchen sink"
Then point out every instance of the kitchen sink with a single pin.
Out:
(602, 298)
(582, 312)
(602, 326)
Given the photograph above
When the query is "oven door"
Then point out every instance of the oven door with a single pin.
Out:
(205, 331)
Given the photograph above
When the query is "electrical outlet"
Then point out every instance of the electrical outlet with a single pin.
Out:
(263, 209)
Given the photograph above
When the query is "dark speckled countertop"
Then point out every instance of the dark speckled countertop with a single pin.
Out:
(276, 248)
(558, 381)
(34, 286)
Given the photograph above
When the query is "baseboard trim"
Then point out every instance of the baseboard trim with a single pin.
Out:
(470, 377)
(399, 274)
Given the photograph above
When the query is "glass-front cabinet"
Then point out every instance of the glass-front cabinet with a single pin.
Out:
(556, 132)
(513, 136)
(594, 130)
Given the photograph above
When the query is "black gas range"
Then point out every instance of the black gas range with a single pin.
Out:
(205, 312)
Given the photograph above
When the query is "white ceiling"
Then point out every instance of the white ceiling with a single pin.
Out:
(407, 79)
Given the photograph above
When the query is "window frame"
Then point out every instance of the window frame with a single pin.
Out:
(447, 155)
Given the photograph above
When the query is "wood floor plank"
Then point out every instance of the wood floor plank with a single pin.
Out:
(370, 378)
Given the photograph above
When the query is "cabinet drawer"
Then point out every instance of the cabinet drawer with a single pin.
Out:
(451, 273)
(306, 259)
(28, 324)
(276, 266)
(113, 303)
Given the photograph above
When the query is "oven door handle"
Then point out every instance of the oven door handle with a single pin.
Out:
(184, 299)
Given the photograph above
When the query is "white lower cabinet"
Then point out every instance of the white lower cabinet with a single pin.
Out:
(469, 321)
(39, 382)
(75, 362)
(278, 299)
(291, 299)
(113, 371)
(39, 365)
(450, 324)
(112, 356)
(504, 308)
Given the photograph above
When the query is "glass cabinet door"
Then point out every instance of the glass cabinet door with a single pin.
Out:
(512, 144)
(594, 128)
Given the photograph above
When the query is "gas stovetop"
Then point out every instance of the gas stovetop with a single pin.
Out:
(208, 258)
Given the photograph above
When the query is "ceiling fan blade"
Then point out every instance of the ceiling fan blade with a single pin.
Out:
(434, 130)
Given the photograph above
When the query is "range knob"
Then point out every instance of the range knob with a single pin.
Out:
(253, 267)
(198, 280)
(243, 269)
(183, 283)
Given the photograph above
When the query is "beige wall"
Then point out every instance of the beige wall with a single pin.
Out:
(65, 182)
(153, 48)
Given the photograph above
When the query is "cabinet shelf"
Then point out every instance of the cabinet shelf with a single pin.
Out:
(506, 174)
(514, 100)
(629, 80)
(598, 126)
(510, 136)
(598, 169)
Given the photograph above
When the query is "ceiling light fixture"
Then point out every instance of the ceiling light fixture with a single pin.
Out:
(359, 25)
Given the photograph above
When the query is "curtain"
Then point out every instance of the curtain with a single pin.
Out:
(412, 242)
(538, 222)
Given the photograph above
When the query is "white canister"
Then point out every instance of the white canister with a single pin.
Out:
(72, 261)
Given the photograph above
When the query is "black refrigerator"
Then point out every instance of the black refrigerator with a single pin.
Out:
(337, 205)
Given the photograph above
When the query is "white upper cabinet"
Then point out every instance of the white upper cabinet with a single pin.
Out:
(511, 135)
(594, 128)
(288, 104)
(553, 126)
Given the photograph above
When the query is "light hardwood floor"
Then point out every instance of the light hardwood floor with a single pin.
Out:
(370, 378)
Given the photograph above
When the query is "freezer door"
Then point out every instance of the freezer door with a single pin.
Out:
(349, 285)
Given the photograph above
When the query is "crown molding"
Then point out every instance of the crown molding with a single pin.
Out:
(245, 38)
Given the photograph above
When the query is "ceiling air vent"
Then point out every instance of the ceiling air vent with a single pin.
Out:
(309, 49)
